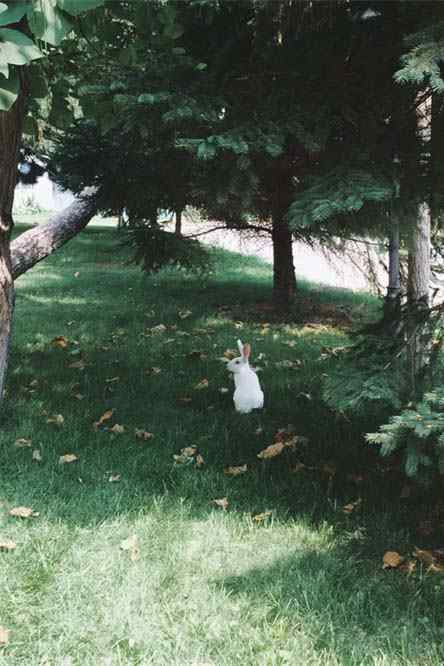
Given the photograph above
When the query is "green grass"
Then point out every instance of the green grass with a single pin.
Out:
(209, 587)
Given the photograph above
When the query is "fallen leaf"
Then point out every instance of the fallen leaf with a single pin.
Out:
(200, 462)
(36, 455)
(424, 556)
(261, 517)
(4, 636)
(23, 512)
(60, 341)
(184, 314)
(117, 429)
(349, 508)
(271, 451)
(203, 384)
(230, 353)
(8, 545)
(56, 419)
(189, 451)
(153, 371)
(78, 365)
(143, 434)
(235, 471)
(391, 560)
(222, 503)
(22, 443)
(131, 545)
(114, 477)
(68, 458)
(435, 567)
(105, 417)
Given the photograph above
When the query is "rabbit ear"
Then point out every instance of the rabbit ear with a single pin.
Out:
(241, 347)
(246, 351)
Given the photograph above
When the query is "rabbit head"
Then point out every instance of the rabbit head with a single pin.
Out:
(239, 364)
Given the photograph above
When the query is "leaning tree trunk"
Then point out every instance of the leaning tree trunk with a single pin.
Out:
(11, 126)
(284, 278)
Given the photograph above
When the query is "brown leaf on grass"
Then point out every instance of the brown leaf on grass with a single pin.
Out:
(8, 545)
(56, 419)
(105, 417)
(262, 517)
(200, 462)
(22, 443)
(424, 556)
(203, 384)
(78, 365)
(68, 458)
(117, 429)
(223, 503)
(184, 314)
(272, 451)
(37, 456)
(143, 434)
(436, 567)
(153, 371)
(235, 470)
(131, 545)
(352, 506)
(230, 353)
(4, 636)
(23, 512)
(60, 341)
(391, 560)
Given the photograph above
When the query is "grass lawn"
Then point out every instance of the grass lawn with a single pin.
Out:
(194, 584)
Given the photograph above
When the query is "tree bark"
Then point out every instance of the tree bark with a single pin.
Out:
(284, 278)
(11, 126)
(392, 304)
(34, 245)
(178, 227)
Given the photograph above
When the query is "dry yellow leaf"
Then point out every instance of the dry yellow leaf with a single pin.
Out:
(56, 419)
(261, 517)
(8, 545)
(105, 417)
(143, 434)
(272, 451)
(349, 508)
(131, 545)
(203, 384)
(60, 341)
(68, 458)
(23, 512)
(117, 429)
(4, 636)
(36, 455)
(22, 443)
(235, 471)
(223, 503)
(391, 560)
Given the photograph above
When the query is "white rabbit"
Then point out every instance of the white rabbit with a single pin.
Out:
(248, 394)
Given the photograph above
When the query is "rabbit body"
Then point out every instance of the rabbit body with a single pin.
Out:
(248, 394)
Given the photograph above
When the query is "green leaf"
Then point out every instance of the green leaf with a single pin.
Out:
(48, 23)
(14, 13)
(16, 48)
(9, 90)
(76, 7)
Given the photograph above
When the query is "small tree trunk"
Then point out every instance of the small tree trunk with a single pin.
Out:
(284, 279)
(392, 304)
(11, 125)
(178, 227)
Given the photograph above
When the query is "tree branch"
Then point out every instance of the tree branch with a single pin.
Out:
(36, 244)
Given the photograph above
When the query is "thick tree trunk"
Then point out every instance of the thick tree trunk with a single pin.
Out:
(34, 245)
(178, 227)
(11, 126)
(284, 279)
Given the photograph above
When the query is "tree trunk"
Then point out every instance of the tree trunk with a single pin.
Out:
(284, 279)
(34, 245)
(392, 304)
(178, 228)
(11, 126)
